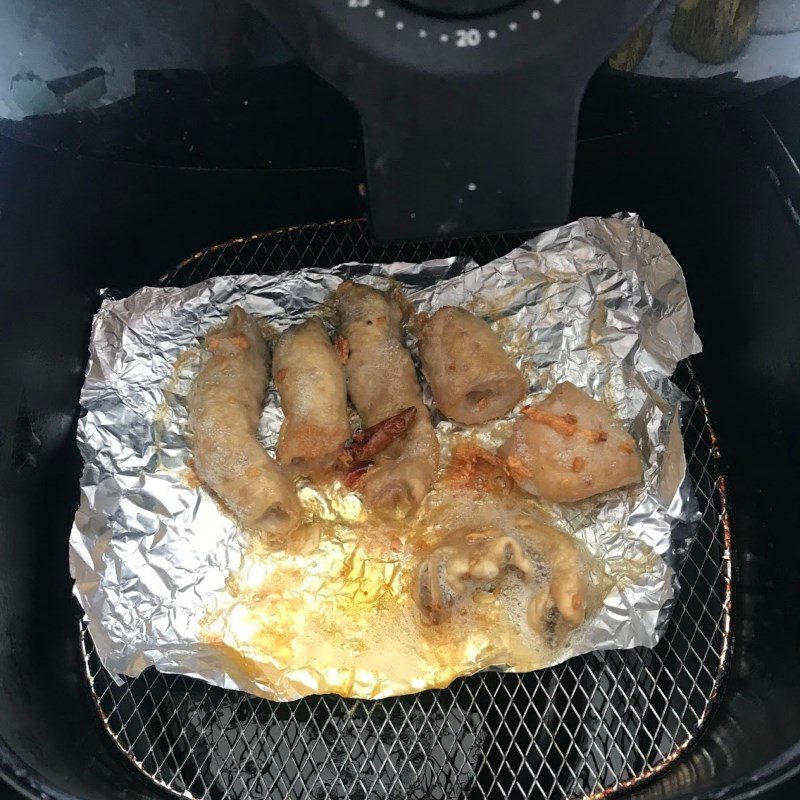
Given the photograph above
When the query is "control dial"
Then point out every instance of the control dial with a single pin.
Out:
(461, 8)
(469, 108)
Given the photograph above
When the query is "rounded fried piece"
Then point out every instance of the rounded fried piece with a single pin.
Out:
(224, 406)
(569, 447)
(464, 561)
(309, 376)
(471, 376)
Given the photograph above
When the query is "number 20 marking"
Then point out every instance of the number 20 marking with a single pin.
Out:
(470, 37)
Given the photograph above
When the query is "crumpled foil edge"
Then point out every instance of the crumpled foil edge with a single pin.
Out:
(602, 303)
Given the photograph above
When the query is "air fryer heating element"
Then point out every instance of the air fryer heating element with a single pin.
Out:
(594, 724)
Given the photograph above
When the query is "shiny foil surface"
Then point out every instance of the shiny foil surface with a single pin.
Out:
(167, 579)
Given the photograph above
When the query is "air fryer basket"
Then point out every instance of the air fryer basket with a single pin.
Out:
(594, 724)
(721, 191)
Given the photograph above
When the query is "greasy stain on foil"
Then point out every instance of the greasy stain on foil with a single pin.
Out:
(339, 616)
(167, 579)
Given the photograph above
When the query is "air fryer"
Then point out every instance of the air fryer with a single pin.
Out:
(148, 143)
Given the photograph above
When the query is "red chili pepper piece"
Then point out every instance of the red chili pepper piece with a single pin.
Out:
(354, 475)
(368, 443)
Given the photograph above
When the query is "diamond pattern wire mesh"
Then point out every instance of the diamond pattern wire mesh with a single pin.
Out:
(596, 723)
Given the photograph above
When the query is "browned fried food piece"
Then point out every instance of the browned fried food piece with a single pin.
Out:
(310, 378)
(569, 447)
(469, 564)
(224, 406)
(472, 378)
(382, 382)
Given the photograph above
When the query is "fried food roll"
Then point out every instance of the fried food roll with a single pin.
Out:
(310, 379)
(224, 408)
(382, 382)
(569, 447)
(538, 568)
(472, 378)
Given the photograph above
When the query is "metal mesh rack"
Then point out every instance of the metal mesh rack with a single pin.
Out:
(597, 723)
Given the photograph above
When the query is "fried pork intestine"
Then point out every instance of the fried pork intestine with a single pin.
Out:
(224, 406)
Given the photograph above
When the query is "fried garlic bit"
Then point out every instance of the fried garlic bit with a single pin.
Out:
(473, 567)
(473, 467)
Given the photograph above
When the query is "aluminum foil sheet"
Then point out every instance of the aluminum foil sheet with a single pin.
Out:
(167, 579)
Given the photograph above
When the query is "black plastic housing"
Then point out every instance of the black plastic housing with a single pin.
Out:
(469, 127)
(722, 192)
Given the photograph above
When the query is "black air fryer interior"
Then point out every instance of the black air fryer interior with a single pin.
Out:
(718, 191)
(599, 721)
